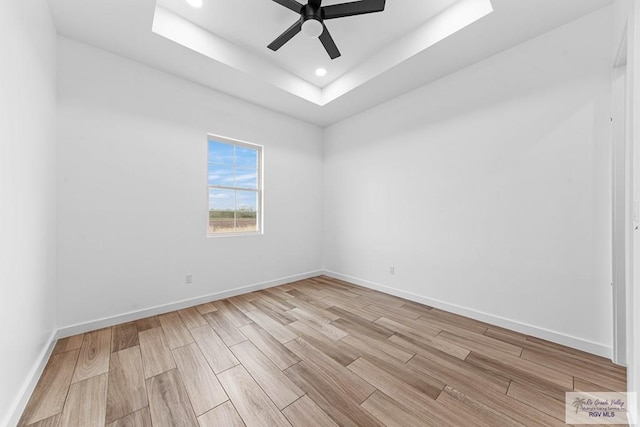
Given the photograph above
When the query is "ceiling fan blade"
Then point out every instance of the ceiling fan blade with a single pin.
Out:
(353, 8)
(286, 36)
(290, 4)
(315, 3)
(329, 44)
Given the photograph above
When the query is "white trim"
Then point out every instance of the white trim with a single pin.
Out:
(535, 331)
(105, 322)
(25, 392)
(622, 52)
(620, 185)
(633, 135)
(27, 389)
(633, 411)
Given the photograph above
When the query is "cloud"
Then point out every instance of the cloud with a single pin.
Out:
(219, 196)
(246, 176)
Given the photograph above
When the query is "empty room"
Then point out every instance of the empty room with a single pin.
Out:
(319, 213)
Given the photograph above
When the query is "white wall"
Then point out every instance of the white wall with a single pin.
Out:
(27, 195)
(132, 189)
(488, 190)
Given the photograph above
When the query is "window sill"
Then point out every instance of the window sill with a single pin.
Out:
(242, 234)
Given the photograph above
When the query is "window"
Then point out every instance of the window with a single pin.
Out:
(235, 187)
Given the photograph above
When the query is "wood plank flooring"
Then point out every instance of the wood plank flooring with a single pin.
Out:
(315, 352)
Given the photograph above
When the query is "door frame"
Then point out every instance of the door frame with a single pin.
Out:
(621, 200)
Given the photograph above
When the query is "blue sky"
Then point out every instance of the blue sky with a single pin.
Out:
(232, 166)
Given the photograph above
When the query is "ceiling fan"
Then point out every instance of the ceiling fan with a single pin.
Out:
(312, 16)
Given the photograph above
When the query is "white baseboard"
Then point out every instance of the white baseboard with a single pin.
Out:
(106, 322)
(27, 390)
(535, 331)
(24, 394)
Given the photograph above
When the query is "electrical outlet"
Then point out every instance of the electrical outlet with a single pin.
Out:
(392, 270)
(188, 279)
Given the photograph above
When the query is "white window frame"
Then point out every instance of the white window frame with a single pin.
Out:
(259, 190)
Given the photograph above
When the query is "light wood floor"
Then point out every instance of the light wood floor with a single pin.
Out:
(314, 352)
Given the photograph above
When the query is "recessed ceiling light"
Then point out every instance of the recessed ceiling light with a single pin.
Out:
(195, 3)
(321, 72)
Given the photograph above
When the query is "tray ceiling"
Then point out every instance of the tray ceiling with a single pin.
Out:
(223, 45)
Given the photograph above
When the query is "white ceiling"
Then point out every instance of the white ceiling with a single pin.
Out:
(253, 24)
(223, 45)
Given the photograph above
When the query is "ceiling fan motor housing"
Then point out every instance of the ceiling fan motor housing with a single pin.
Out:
(312, 16)
(310, 11)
